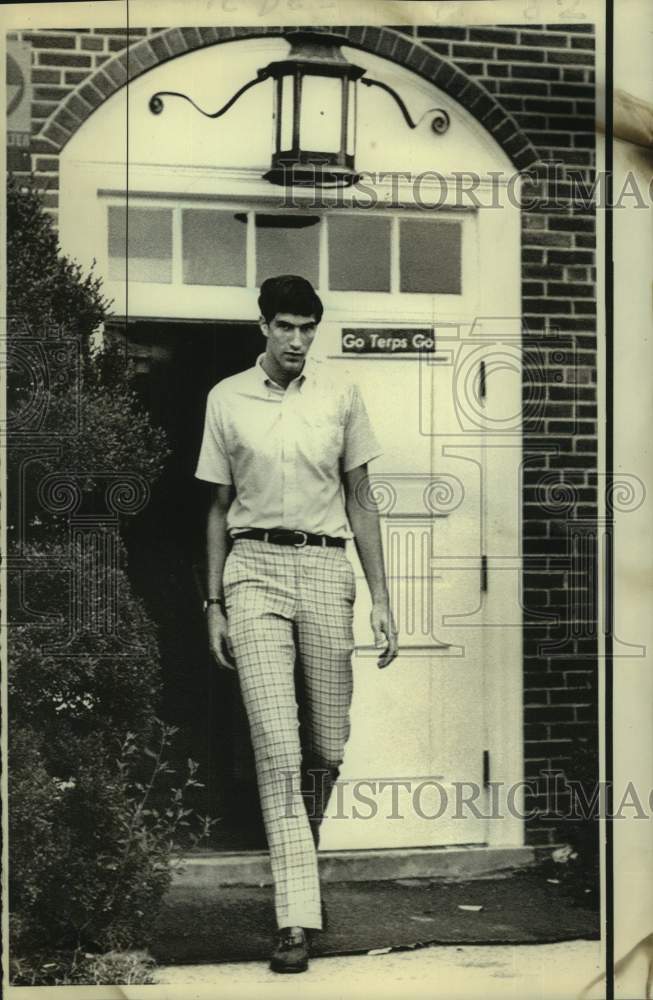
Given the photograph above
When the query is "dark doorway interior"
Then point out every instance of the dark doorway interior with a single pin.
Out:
(178, 364)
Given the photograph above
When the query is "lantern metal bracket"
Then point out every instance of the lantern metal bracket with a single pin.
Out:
(156, 101)
(440, 122)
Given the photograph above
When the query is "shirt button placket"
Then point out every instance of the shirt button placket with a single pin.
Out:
(287, 446)
(290, 464)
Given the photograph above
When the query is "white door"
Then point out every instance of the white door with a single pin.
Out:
(419, 726)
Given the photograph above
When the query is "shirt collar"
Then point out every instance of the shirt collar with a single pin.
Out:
(266, 381)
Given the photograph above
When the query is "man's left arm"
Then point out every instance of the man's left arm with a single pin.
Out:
(364, 521)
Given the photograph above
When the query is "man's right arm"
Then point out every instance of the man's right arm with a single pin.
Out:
(216, 554)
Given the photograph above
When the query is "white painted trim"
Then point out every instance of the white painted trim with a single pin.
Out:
(323, 253)
(441, 192)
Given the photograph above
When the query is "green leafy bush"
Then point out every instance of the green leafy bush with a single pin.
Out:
(44, 287)
(101, 685)
(92, 413)
(91, 853)
(96, 813)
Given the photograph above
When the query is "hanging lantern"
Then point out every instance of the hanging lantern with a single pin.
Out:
(315, 94)
(314, 113)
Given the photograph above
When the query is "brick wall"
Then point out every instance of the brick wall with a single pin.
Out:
(533, 88)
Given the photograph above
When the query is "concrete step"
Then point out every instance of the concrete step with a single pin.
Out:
(211, 869)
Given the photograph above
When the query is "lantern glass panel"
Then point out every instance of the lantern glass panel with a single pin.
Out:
(287, 112)
(321, 114)
(351, 118)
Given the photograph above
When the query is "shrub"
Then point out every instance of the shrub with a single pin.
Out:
(91, 853)
(44, 287)
(100, 686)
(90, 410)
(96, 813)
(95, 809)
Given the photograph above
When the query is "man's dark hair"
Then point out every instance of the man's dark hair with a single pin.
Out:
(289, 293)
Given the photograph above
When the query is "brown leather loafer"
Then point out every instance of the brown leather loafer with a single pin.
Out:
(290, 951)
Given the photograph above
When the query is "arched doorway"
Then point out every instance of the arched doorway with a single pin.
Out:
(417, 300)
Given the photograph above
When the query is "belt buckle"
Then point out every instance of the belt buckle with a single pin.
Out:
(300, 545)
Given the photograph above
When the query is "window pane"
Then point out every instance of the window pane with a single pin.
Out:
(148, 244)
(287, 244)
(430, 256)
(214, 247)
(359, 253)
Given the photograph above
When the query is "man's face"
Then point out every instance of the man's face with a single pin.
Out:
(289, 337)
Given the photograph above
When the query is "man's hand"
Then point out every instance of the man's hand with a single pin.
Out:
(219, 642)
(364, 521)
(385, 632)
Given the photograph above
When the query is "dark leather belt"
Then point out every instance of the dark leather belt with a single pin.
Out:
(287, 536)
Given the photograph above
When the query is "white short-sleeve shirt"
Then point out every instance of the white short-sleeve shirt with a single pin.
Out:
(285, 451)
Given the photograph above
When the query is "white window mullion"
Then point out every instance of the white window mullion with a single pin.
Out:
(177, 249)
(323, 262)
(250, 250)
(394, 255)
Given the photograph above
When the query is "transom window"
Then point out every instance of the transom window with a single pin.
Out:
(341, 251)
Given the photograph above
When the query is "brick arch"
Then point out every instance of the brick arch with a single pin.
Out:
(171, 43)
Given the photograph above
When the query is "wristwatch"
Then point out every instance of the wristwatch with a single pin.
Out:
(213, 600)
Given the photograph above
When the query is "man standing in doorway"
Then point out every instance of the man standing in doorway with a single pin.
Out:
(286, 445)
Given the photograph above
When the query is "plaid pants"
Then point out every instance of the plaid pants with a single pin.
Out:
(290, 613)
